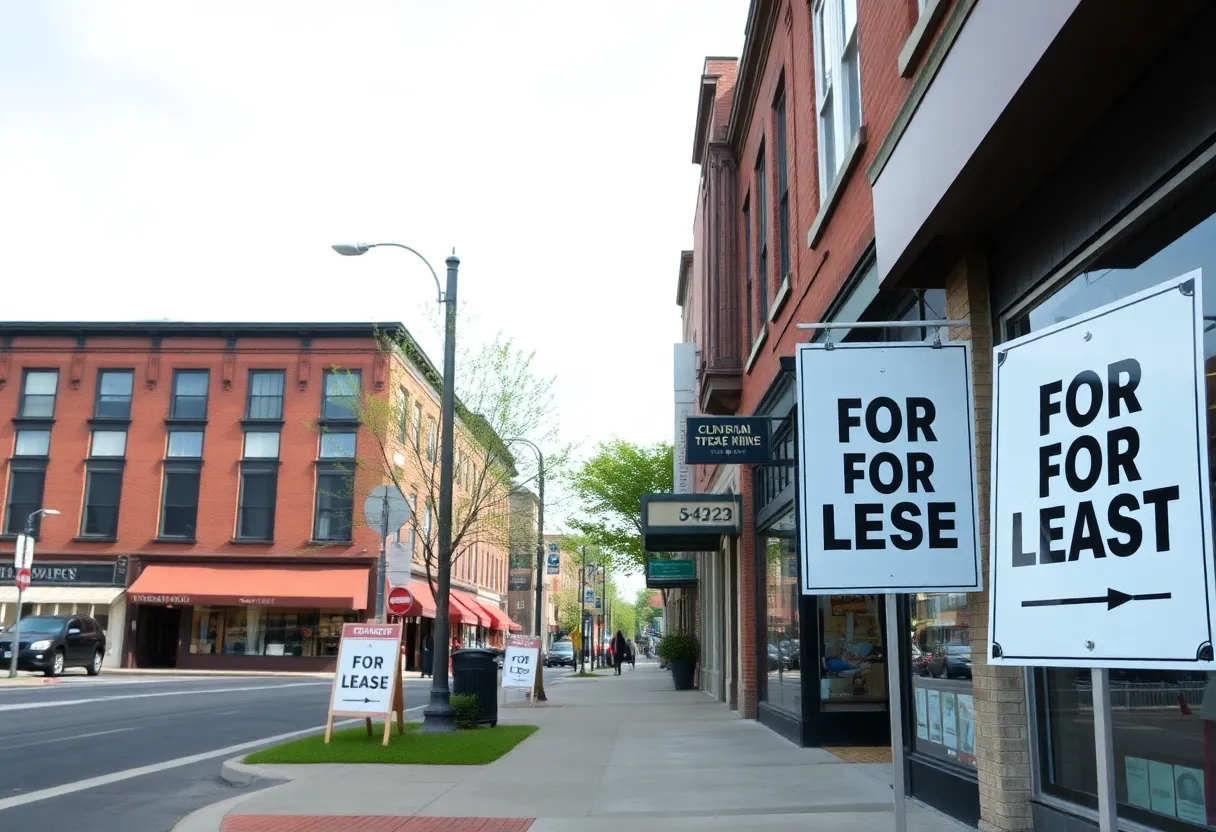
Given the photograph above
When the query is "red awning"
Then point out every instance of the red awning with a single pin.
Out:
(477, 614)
(499, 619)
(262, 586)
(423, 605)
(516, 628)
(458, 613)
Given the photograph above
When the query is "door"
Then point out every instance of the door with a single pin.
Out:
(156, 636)
(77, 650)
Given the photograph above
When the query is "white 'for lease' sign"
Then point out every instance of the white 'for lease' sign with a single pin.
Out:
(1101, 512)
(367, 671)
(887, 468)
(519, 662)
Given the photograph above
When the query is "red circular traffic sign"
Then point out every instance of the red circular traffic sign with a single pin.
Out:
(399, 600)
(22, 579)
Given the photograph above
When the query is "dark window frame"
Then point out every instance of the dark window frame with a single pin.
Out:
(250, 396)
(17, 437)
(328, 470)
(783, 185)
(257, 468)
(101, 467)
(179, 466)
(350, 417)
(24, 466)
(761, 171)
(175, 396)
(21, 405)
(747, 266)
(97, 395)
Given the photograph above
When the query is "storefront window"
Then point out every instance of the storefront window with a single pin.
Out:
(854, 665)
(782, 594)
(264, 631)
(1164, 721)
(941, 676)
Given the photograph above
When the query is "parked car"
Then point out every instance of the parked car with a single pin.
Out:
(951, 661)
(777, 660)
(920, 661)
(561, 654)
(52, 643)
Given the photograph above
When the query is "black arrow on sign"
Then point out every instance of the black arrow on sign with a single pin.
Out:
(1113, 598)
(364, 701)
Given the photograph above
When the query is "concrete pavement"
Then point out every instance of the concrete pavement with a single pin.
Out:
(612, 753)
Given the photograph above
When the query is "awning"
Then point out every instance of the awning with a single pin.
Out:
(283, 586)
(423, 605)
(499, 620)
(477, 613)
(62, 595)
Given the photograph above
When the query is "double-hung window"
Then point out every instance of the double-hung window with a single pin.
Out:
(265, 395)
(762, 238)
(431, 440)
(837, 85)
(402, 413)
(27, 468)
(417, 427)
(189, 394)
(342, 395)
(335, 502)
(783, 187)
(38, 394)
(103, 481)
(114, 394)
(25, 485)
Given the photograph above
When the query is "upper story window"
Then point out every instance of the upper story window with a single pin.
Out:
(747, 265)
(837, 85)
(109, 443)
(341, 394)
(189, 394)
(265, 395)
(262, 444)
(114, 394)
(186, 444)
(783, 187)
(431, 440)
(337, 445)
(402, 414)
(32, 443)
(38, 394)
(762, 238)
(417, 425)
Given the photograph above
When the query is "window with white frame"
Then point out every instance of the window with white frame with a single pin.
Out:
(837, 84)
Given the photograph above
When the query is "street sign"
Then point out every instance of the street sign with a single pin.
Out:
(398, 510)
(22, 580)
(727, 440)
(520, 661)
(553, 560)
(399, 600)
(887, 468)
(23, 555)
(1101, 512)
(367, 681)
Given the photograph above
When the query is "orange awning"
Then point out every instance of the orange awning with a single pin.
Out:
(477, 615)
(499, 620)
(264, 586)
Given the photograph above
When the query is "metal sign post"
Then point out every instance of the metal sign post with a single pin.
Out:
(895, 698)
(384, 510)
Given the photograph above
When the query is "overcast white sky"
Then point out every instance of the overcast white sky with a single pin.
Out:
(194, 161)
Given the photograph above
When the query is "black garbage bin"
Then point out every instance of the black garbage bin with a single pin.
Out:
(475, 670)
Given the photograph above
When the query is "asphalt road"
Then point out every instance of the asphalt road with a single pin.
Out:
(136, 754)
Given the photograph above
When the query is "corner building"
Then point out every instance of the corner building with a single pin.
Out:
(1008, 165)
(210, 488)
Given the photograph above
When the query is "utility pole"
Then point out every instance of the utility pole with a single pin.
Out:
(582, 615)
(23, 560)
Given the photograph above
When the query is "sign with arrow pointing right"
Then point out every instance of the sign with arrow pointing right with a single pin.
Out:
(367, 680)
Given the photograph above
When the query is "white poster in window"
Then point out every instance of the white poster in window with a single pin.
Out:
(949, 722)
(1135, 771)
(922, 714)
(1161, 788)
(1188, 789)
(935, 716)
(1100, 506)
(966, 724)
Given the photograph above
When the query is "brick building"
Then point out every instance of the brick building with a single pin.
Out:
(210, 480)
(1007, 165)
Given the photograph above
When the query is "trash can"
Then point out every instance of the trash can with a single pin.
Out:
(475, 670)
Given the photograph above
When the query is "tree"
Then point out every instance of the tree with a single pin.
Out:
(610, 486)
(646, 611)
(499, 397)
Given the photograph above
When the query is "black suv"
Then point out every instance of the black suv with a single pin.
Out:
(50, 643)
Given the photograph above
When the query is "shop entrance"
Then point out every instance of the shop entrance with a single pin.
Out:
(156, 635)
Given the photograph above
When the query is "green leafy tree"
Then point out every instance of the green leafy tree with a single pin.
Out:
(610, 486)
(644, 611)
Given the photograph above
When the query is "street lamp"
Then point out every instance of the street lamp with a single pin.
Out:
(438, 716)
(15, 643)
(540, 544)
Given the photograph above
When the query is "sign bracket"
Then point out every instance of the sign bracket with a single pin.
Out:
(936, 326)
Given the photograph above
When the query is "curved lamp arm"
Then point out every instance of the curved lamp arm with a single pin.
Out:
(355, 249)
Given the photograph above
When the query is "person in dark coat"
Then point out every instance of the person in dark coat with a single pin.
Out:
(428, 654)
(619, 648)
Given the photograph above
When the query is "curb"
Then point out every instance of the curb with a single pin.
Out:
(234, 772)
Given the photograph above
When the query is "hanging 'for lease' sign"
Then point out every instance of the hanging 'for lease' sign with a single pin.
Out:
(1101, 512)
(887, 468)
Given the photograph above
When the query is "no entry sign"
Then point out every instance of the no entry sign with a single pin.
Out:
(399, 600)
(22, 579)
(887, 468)
(1101, 514)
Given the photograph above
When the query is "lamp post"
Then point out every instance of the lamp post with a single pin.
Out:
(15, 643)
(582, 617)
(438, 716)
(540, 555)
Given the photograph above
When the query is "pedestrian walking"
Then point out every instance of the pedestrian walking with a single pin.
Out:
(619, 648)
(633, 656)
(428, 654)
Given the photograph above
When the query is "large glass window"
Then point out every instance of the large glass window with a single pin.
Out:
(853, 674)
(1164, 721)
(267, 631)
(783, 622)
(941, 676)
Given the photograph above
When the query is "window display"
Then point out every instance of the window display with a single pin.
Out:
(1164, 721)
(853, 672)
(264, 631)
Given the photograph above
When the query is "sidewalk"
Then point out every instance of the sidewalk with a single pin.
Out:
(621, 753)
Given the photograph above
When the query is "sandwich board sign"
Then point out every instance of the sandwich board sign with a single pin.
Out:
(519, 665)
(887, 465)
(1101, 507)
(367, 681)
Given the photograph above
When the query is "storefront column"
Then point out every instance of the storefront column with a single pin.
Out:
(1001, 728)
(748, 625)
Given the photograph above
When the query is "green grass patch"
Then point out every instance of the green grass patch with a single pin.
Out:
(463, 748)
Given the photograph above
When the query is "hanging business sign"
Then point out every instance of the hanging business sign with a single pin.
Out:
(663, 574)
(887, 468)
(1101, 511)
(553, 560)
(519, 582)
(712, 440)
(689, 522)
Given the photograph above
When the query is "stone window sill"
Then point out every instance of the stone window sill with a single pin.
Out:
(917, 43)
(759, 342)
(783, 294)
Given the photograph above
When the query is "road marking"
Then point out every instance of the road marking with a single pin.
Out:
(26, 706)
(69, 739)
(131, 773)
